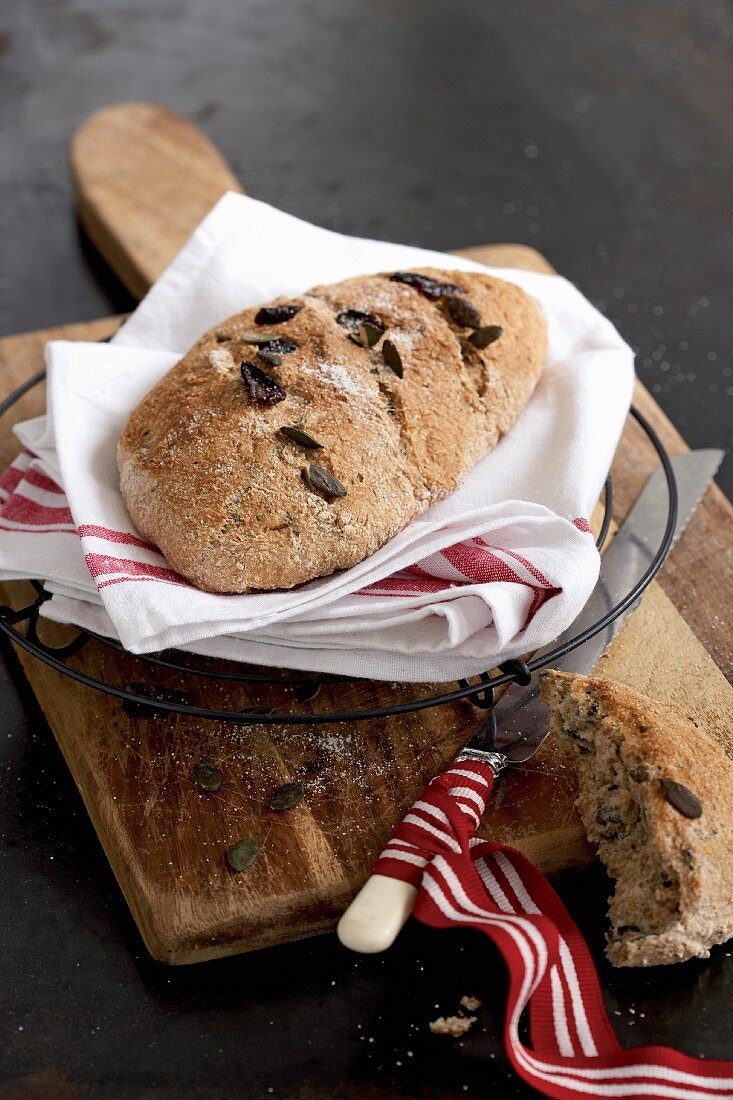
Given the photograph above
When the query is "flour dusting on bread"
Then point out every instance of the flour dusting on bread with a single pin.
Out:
(391, 374)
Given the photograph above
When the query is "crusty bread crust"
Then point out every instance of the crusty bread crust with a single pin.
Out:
(674, 873)
(208, 478)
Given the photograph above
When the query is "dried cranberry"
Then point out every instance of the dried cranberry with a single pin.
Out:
(351, 319)
(281, 346)
(263, 390)
(431, 288)
(275, 315)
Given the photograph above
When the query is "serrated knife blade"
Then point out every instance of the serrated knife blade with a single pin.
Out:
(517, 725)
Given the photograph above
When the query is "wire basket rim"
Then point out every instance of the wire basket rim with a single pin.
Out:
(481, 693)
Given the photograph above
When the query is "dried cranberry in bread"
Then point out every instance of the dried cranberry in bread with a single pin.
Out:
(656, 796)
(295, 439)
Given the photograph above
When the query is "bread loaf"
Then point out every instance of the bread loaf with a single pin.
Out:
(656, 796)
(295, 439)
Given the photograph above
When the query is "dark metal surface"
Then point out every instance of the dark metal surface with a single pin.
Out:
(591, 130)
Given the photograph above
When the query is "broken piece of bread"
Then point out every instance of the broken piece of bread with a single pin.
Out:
(656, 796)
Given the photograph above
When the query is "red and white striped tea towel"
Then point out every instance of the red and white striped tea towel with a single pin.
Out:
(499, 568)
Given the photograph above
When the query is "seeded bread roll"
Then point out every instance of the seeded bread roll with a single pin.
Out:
(296, 439)
(656, 796)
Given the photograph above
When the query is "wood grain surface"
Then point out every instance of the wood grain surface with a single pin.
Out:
(164, 838)
(144, 177)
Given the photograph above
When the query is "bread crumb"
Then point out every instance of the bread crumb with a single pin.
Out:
(452, 1025)
(470, 1003)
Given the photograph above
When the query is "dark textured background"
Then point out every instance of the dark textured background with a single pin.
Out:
(595, 132)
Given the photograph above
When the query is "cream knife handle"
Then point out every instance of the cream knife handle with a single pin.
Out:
(373, 920)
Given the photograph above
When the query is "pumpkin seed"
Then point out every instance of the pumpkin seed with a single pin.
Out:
(263, 390)
(608, 816)
(682, 798)
(207, 777)
(242, 854)
(431, 288)
(367, 334)
(463, 313)
(321, 481)
(260, 338)
(303, 439)
(271, 351)
(222, 337)
(275, 315)
(287, 796)
(268, 356)
(487, 334)
(392, 358)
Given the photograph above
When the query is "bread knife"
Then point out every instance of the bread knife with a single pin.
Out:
(517, 724)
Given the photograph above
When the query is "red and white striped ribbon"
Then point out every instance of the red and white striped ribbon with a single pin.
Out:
(463, 881)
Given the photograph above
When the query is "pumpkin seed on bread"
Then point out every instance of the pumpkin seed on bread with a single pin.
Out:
(401, 381)
(656, 796)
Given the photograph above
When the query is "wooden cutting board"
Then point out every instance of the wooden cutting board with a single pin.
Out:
(144, 178)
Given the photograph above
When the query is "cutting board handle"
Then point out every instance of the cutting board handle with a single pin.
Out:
(144, 178)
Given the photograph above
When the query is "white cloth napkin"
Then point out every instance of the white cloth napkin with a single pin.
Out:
(499, 568)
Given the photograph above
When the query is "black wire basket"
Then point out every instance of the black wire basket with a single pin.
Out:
(480, 692)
